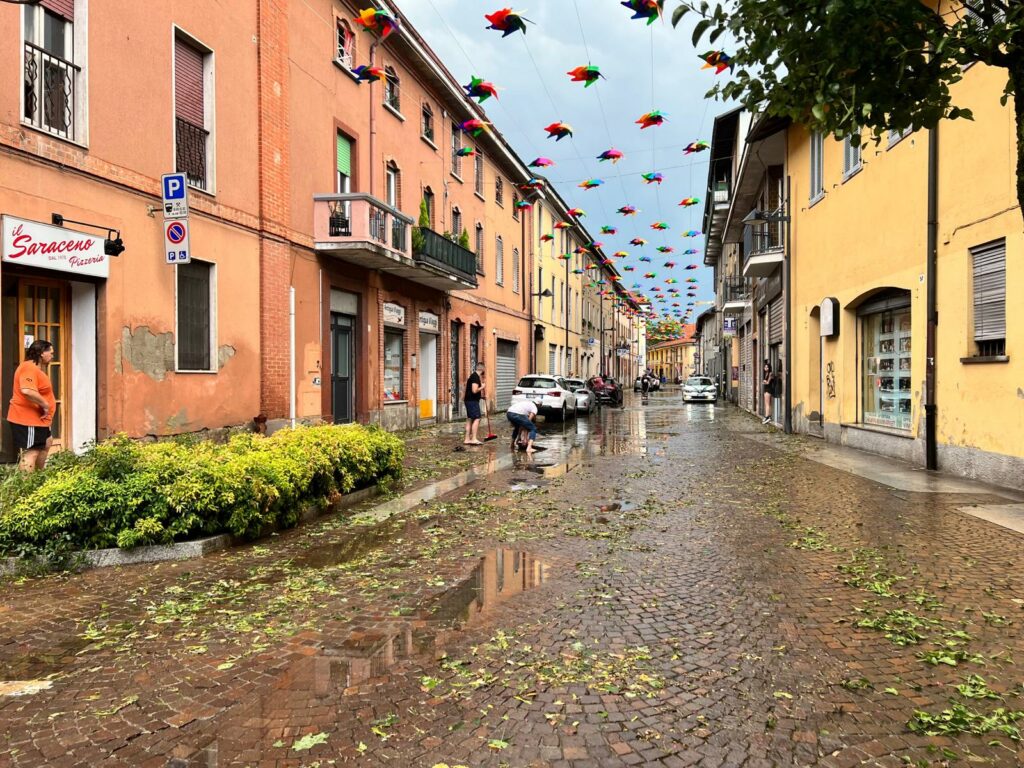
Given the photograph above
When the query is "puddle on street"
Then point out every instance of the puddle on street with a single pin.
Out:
(22, 667)
(617, 506)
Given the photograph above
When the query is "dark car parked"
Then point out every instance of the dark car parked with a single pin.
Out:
(607, 390)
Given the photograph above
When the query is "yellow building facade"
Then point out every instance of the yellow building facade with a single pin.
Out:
(673, 359)
(859, 257)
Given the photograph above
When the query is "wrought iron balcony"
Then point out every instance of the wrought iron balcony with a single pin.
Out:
(763, 250)
(363, 230)
(442, 253)
(50, 92)
(191, 148)
(736, 295)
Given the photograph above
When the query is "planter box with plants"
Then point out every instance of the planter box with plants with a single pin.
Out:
(125, 494)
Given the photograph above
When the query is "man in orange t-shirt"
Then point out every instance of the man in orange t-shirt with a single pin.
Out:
(32, 407)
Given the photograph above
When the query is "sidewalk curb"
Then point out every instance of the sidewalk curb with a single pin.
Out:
(189, 550)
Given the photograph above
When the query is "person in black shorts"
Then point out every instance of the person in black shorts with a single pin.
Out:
(474, 393)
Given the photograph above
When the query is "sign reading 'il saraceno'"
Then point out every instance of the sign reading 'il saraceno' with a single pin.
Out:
(43, 245)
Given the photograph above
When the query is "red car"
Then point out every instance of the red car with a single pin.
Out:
(607, 390)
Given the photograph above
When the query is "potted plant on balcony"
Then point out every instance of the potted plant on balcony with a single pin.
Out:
(464, 239)
(418, 239)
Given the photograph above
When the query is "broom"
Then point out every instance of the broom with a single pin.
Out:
(490, 434)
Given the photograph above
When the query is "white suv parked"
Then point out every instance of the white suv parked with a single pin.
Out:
(699, 389)
(552, 395)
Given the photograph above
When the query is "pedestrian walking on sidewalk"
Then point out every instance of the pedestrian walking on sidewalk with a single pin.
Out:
(767, 390)
(32, 406)
(521, 416)
(475, 388)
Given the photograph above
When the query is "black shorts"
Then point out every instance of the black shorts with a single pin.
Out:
(29, 438)
(472, 409)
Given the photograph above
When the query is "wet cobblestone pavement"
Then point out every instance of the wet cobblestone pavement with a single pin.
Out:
(659, 587)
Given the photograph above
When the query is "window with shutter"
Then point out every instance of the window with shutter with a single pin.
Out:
(346, 44)
(195, 319)
(479, 173)
(499, 191)
(392, 96)
(479, 249)
(989, 288)
(851, 157)
(191, 137)
(515, 206)
(343, 161)
(499, 261)
(515, 270)
(817, 169)
(456, 146)
(427, 131)
(51, 78)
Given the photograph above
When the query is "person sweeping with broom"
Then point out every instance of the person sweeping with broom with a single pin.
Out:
(475, 388)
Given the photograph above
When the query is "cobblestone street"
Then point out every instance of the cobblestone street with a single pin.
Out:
(665, 585)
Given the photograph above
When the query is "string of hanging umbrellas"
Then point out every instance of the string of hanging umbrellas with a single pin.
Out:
(509, 22)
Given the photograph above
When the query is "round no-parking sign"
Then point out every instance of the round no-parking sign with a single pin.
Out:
(176, 241)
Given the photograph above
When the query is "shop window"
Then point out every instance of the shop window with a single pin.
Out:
(456, 146)
(887, 344)
(479, 249)
(427, 123)
(53, 84)
(394, 356)
(817, 168)
(193, 92)
(345, 41)
(392, 95)
(195, 292)
(989, 288)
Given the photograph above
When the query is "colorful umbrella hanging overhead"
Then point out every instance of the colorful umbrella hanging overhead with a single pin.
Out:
(691, 251)
(652, 178)
(480, 89)
(638, 241)
(606, 230)
(559, 131)
(376, 20)
(588, 75)
(506, 20)
(610, 154)
(591, 183)
(366, 74)
(659, 225)
(547, 238)
(466, 152)
(563, 224)
(695, 146)
(628, 210)
(645, 9)
(542, 162)
(718, 60)
(473, 127)
(650, 119)
(665, 249)
(692, 233)
(686, 202)
(576, 213)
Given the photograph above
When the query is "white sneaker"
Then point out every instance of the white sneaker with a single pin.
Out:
(766, 419)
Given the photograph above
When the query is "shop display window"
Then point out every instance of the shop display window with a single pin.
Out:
(394, 354)
(887, 397)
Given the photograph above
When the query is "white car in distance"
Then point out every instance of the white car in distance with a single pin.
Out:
(585, 399)
(699, 389)
(552, 395)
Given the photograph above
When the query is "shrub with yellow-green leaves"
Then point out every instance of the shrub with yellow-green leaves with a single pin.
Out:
(123, 493)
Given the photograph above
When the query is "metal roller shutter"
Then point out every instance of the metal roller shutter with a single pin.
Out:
(551, 359)
(775, 321)
(506, 376)
(63, 8)
(188, 83)
(745, 371)
(990, 291)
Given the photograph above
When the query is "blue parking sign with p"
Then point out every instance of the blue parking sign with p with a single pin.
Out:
(175, 195)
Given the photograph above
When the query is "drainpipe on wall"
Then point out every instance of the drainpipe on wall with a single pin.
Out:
(930, 406)
(291, 354)
(787, 419)
(373, 121)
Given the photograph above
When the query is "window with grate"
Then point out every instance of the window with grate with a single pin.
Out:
(817, 169)
(515, 270)
(456, 223)
(499, 261)
(515, 206)
(345, 41)
(51, 78)
(195, 316)
(479, 249)
(851, 157)
(427, 123)
(456, 146)
(478, 173)
(392, 91)
(193, 143)
(989, 287)
(499, 191)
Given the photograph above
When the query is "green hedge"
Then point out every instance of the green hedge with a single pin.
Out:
(124, 493)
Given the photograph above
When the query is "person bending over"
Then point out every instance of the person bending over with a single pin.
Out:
(522, 415)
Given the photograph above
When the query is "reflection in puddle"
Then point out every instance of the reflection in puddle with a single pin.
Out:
(617, 506)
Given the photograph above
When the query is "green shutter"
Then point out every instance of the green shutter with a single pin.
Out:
(344, 156)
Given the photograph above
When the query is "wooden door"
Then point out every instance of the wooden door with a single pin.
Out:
(43, 314)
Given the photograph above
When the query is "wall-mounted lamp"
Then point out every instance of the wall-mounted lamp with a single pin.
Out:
(113, 245)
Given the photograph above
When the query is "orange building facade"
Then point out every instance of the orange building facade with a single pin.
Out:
(308, 295)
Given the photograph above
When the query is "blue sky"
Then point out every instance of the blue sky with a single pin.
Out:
(646, 68)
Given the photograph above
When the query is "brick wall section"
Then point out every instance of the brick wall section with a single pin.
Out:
(274, 201)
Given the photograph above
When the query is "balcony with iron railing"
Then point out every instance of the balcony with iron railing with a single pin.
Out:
(763, 249)
(441, 253)
(191, 145)
(735, 295)
(49, 92)
(360, 229)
